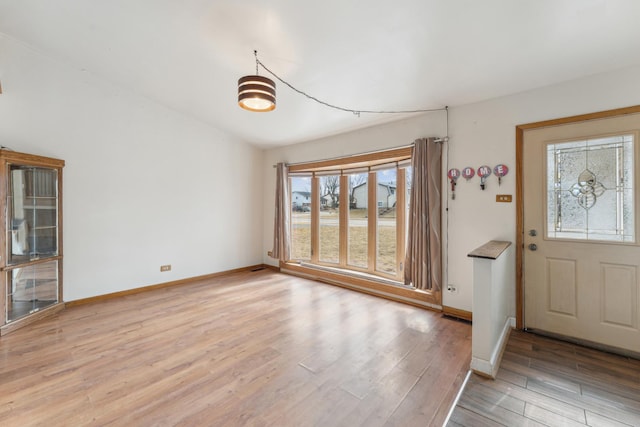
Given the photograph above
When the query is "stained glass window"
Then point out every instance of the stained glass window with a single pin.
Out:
(590, 189)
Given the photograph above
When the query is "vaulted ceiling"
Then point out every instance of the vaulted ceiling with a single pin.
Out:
(374, 54)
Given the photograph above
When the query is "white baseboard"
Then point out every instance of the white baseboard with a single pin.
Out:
(490, 368)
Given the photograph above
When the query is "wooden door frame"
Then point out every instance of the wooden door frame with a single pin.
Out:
(520, 189)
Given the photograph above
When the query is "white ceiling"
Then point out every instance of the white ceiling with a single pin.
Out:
(374, 54)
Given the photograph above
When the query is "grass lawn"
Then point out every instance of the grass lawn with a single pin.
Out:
(329, 240)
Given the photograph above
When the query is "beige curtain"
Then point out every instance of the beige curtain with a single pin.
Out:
(423, 267)
(282, 220)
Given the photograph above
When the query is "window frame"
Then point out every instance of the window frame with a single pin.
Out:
(371, 163)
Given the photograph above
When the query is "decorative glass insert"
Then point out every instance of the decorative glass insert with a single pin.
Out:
(590, 189)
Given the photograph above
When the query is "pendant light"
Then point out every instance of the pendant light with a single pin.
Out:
(256, 93)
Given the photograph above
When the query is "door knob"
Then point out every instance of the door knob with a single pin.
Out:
(533, 247)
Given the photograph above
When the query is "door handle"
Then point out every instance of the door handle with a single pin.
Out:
(533, 247)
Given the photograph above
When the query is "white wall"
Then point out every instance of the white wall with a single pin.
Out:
(482, 133)
(492, 281)
(143, 185)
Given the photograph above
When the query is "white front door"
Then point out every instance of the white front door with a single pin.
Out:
(582, 231)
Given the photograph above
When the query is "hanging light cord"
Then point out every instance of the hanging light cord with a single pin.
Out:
(447, 210)
(336, 107)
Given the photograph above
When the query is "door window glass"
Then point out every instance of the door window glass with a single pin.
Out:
(590, 189)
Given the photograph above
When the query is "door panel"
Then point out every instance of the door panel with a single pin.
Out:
(619, 291)
(562, 286)
(581, 198)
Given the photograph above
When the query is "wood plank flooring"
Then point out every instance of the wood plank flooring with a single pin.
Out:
(545, 382)
(249, 349)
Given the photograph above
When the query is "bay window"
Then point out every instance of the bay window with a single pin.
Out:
(357, 213)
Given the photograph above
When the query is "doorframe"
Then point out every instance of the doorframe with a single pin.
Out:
(520, 189)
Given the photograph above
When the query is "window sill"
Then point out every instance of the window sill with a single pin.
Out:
(366, 283)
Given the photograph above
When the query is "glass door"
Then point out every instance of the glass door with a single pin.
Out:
(31, 277)
(31, 288)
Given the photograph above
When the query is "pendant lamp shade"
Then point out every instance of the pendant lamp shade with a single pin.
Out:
(256, 93)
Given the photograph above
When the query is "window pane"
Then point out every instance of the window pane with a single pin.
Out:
(590, 189)
(329, 219)
(358, 195)
(301, 218)
(32, 215)
(408, 179)
(386, 221)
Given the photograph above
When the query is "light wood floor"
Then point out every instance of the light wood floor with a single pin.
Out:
(251, 349)
(545, 382)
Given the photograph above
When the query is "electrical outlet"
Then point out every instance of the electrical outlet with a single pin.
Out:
(165, 267)
(503, 198)
(452, 289)
(270, 253)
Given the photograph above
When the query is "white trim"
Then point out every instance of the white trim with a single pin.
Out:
(404, 164)
(490, 367)
(384, 166)
(355, 171)
(332, 172)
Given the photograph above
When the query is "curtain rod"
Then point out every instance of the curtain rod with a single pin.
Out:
(436, 140)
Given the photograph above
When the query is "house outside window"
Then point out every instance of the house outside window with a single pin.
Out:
(353, 222)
